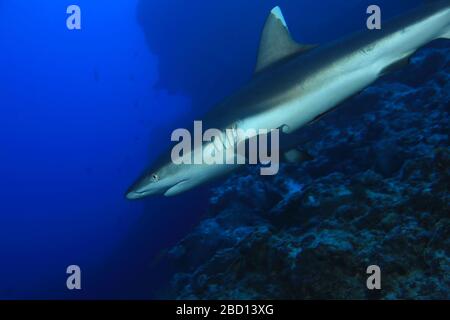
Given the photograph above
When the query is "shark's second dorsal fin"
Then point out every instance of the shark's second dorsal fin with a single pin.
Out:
(276, 42)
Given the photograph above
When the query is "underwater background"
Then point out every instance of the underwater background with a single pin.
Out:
(83, 112)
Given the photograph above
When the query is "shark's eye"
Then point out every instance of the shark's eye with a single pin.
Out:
(155, 177)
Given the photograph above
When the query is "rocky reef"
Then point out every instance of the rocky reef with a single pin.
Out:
(376, 192)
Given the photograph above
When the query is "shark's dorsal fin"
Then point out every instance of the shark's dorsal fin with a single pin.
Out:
(276, 42)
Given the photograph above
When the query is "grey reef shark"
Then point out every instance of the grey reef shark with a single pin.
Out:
(295, 84)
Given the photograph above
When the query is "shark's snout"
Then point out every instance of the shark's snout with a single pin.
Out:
(141, 189)
(144, 188)
(133, 195)
(136, 194)
(153, 185)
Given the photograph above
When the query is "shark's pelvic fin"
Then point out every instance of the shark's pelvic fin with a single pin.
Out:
(276, 42)
(296, 156)
(396, 66)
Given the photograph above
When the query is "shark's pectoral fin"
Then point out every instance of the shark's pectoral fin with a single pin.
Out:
(397, 65)
(276, 42)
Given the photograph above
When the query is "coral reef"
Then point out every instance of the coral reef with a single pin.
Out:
(375, 193)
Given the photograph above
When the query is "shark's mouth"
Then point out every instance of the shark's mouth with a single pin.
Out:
(171, 190)
(176, 188)
(148, 191)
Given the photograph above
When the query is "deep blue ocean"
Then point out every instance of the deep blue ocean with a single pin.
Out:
(83, 112)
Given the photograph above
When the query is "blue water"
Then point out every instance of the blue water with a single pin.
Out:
(83, 112)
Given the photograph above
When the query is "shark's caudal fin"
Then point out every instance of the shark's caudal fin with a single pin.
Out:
(276, 42)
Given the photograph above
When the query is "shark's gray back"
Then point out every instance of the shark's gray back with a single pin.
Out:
(272, 87)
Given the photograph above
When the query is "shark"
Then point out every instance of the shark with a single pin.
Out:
(295, 84)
